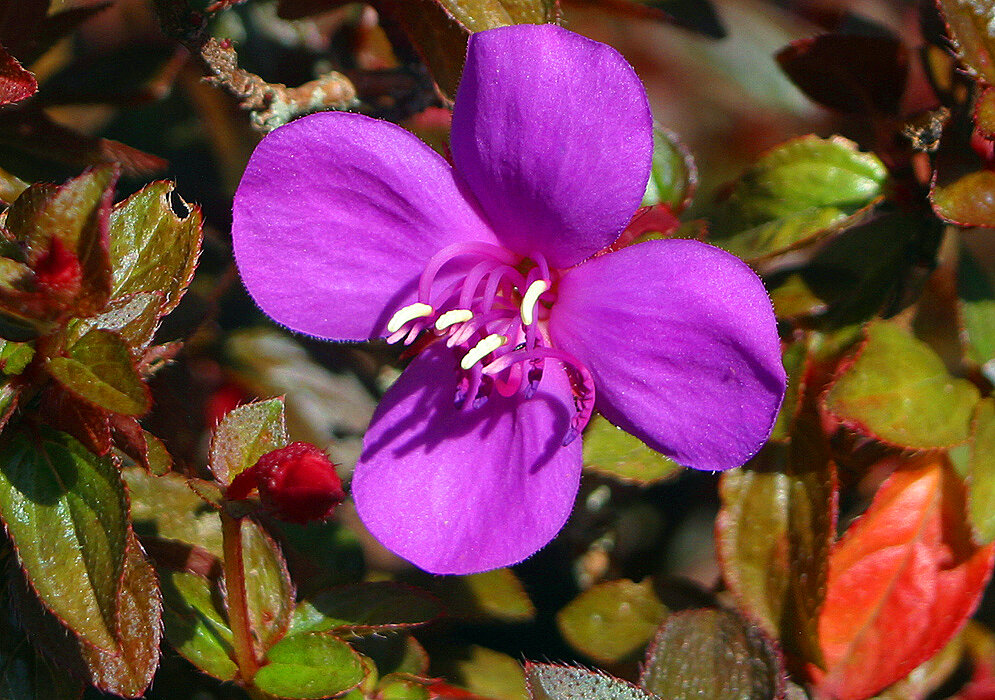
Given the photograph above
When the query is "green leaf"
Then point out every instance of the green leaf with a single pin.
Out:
(773, 533)
(673, 175)
(128, 669)
(100, 370)
(898, 390)
(67, 513)
(711, 654)
(27, 675)
(971, 29)
(134, 317)
(968, 201)
(268, 590)
(496, 594)
(309, 665)
(614, 452)
(165, 508)
(478, 15)
(76, 214)
(364, 608)
(549, 682)
(244, 435)
(794, 357)
(194, 625)
(15, 357)
(981, 484)
(612, 621)
(399, 687)
(492, 674)
(976, 303)
(152, 249)
(797, 193)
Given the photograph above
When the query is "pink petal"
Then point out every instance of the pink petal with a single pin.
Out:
(682, 343)
(553, 133)
(335, 218)
(459, 492)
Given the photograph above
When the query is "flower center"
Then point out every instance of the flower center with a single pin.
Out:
(494, 307)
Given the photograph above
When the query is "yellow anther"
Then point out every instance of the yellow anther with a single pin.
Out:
(407, 314)
(451, 318)
(529, 299)
(482, 349)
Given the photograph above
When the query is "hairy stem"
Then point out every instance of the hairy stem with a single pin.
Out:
(238, 609)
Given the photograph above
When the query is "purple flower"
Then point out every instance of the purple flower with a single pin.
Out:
(349, 228)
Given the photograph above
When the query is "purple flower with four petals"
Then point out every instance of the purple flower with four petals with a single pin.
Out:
(349, 228)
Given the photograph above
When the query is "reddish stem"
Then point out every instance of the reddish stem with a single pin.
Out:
(238, 609)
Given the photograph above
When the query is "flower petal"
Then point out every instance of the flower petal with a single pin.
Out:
(553, 133)
(681, 340)
(335, 218)
(459, 492)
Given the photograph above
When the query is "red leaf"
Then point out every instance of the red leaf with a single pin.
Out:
(16, 83)
(902, 581)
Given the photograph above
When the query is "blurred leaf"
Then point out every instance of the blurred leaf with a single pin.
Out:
(792, 297)
(794, 357)
(851, 73)
(902, 581)
(141, 446)
(774, 530)
(100, 369)
(979, 644)
(165, 508)
(984, 113)
(492, 674)
(798, 192)
(927, 677)
(673, 175)
(33, 147)
(478, 15)
(195, 626)
(151, 248)
(269, 591)
(712, 654)
(16, 83)
(612, 621)
(550, 682)
(399, 687)
(27, 28)
(244, 435)
(898, 390)
(969, 201)
(614, 452)
(15, 357)
(26, 674)
(697, 15)
(496, 594)
(969, 25)
(309, 665)
(66, 511)
(320, 554)
(134, 317)
(126, 75)
(977, 310)
(365, 608)
(981, 484)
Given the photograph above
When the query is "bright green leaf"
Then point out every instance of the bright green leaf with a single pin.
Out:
(496, 594)
(67, 513)
(244, 435)
(976, 299)
(492, 674)
(614, 452)
(268, 590)
(673, 175)
(898, 390)
(794, 359)
(15, 357)
(364, 608)
(100, 370)
(711, 654)
(399, 687)
(981, 484)
(796, 193)
(612, 621)
(152, 249)
(165, 508)
(309, 665)
(550, 682)
(194, 626)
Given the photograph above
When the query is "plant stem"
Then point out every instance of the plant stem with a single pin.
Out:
(238, 609)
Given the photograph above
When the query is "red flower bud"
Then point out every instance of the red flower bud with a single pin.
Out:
(58, 270)
(297, 483)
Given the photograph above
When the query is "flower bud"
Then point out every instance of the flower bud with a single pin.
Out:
(58, 271)
(296, 483)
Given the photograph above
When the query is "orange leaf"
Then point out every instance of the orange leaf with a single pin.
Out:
(902, 581)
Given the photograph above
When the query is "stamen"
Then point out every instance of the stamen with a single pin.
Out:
(451, 318)
(407, 314)
(530, 298)
(482, 349)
